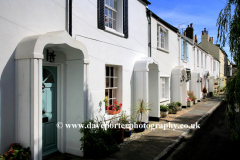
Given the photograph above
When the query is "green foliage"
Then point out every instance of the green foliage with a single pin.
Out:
(123, 119)
(141, 107)
(229, 29)
(173, 106)
(179, 103)
(164, 108)
(97, 141)
(17, 152)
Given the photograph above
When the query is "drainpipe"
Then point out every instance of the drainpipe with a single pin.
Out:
(70, 18)
(149, 14)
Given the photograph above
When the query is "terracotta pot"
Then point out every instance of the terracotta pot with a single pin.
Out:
(110, 112)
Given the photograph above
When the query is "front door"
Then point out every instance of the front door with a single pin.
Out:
(49, 110)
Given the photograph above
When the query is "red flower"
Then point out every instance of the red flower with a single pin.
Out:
(115, 102)
(120, 104)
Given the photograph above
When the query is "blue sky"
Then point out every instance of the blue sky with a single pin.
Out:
(180, 13)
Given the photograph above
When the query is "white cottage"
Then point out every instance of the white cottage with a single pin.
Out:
(61, 58)
(49, 76)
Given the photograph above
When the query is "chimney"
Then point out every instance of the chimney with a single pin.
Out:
(190, 31)
(184, 33)
(211, 40)
(205, 36)
(196, 40)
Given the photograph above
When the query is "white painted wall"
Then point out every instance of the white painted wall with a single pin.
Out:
(105, 48)
(18, 19)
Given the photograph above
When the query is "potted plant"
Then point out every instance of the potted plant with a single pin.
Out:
(194, 100)
(16, 151)
(141, 108)
(179, 106)
(189, 102)
(163, 111)
(204, 92)
(123, 120)
(115, 109)
(173, 108)
(106, 102)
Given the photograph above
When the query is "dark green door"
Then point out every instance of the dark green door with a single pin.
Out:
(49, 110)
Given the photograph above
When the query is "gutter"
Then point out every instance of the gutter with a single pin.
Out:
(149, 14)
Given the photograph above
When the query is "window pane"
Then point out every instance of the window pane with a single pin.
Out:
(111, 3)
(107, 2)
(107, 71)
(111, 82)
(115, 4)
(114, 93)
(110, 93)
(114, 15)
(109, 13)
(106, 92)
(110, 23)
(115, 82)
(107, 82)
(114, 24)
(106, 21)
(112, 70)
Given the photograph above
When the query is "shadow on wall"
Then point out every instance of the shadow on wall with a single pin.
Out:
(7, 105)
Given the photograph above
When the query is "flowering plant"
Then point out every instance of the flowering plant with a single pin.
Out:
(189, 100)
(16, 152)
(106, 101)
(116, 106)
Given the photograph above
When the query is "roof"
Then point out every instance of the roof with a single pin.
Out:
(174, 29)
(186, 38)
(147, 2)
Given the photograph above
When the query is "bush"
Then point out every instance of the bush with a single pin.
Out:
(173, 106)
(97, 142)
(164, 108)
(17, 152)
(179, 103)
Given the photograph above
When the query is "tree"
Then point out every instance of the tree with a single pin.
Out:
(229, 29)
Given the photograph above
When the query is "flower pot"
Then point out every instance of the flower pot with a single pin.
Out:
(119, 135)
(139, 127)
(189, 103)
(112, 112)
(163, 114)
(171, 111)
(195, 102)
(127, 133)
(204, 95)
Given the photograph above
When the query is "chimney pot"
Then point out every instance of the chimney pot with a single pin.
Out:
(185, 33)
(202, 32)
(195, 36)
(191, 24)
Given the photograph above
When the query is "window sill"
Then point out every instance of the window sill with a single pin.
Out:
(113, 31)
(164, 50)
(164, 100)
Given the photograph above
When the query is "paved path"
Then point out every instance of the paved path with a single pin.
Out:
(153, 145)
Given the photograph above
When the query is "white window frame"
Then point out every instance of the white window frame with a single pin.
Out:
(113, 83)
(202, 59)
(162, 41)
(118, 30)
(166, 88)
